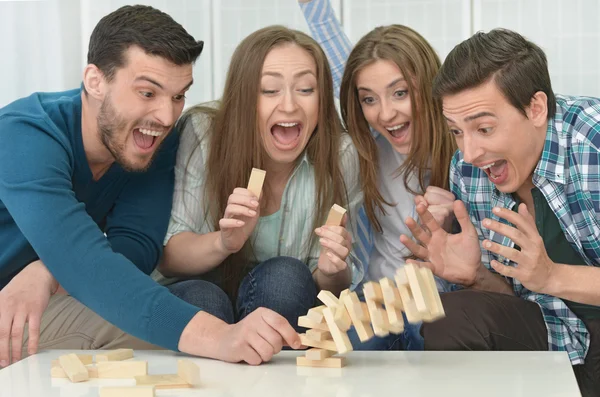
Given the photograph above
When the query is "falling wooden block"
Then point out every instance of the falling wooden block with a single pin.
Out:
(328, 299)
(316, 314)
(392, 302)
(417, 288)
(74, 368)
(132, 391)
(342, 318)
(189, 372)
(325, 344)
(344, 293)
(122, 369)
(410, 309)
(340, 338)
(115, 355)
(331, 362)
(318, 335)
(355, 311)
(168, 381)
(336, 216)
(56, 371)
(372, 291)
(432, 294)
(304, 321)
(255, 183)
(379, 320)
(318, 354)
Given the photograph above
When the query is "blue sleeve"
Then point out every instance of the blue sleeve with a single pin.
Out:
(137, 224)
(328, 32)
(36, 188)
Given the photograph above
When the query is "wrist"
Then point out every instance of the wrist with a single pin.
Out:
(554, 283)
(479, 278)
(201, 335)
(220, 246)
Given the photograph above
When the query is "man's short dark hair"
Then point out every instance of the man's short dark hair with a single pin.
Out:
(518, 67)
(148, 28)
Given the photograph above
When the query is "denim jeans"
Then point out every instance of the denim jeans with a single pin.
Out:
(282, 284)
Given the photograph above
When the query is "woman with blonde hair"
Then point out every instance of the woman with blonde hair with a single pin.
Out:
(272, 252)
(398, 129)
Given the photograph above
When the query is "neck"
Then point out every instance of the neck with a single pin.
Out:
(98, 156)
(278, 174)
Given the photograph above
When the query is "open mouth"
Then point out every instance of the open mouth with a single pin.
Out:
(399, 131)
(497, 171)
(286, 135)
(145, 139)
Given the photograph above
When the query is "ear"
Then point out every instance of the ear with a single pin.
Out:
(94, 82)
(537, 111)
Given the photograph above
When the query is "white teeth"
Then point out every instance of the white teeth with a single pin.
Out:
(150, 132)
(287, 124)
(397, 127)
(487, 166)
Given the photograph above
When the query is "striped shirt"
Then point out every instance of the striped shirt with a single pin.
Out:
(297, 203)
(568, 175)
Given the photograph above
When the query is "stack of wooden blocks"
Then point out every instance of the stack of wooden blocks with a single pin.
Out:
(112, 365)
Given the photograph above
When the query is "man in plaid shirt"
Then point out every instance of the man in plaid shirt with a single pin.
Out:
(527, 180)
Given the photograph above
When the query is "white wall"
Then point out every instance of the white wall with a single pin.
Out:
(43, 44)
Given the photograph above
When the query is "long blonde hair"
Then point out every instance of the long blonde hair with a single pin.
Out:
(236, 145)
(432, 146)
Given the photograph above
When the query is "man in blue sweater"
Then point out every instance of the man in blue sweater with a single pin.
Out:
(86, 182)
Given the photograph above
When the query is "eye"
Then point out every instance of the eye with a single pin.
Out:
(269, 92)
(454, 131)
(486, 130)
(146, 94)
(307, 90)
(368, 100)
(179, 98)
(400, 93)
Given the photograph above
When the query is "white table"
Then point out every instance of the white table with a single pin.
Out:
(367, 374)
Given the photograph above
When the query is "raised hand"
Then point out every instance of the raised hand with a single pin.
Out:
(240, 218)
(439, 203)
(336, 244)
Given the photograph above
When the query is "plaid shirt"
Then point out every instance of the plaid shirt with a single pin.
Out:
(568, 175)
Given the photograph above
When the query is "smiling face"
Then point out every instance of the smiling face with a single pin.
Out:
(495, 136)
(385, 102)
(140, 106)
(288, 103)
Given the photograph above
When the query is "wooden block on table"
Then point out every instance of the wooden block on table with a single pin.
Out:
(168, 381)
(121, 369)
(372, 291)
(115, 355)
(56, 371)
(131, 391)
(318, 335)
(304, 321)
(432, 294)
(417, 288)
(74, 368)
(189, 372)
(324, 344)
(340, 338)
(342, 318)
(86, 359)
(379, 319)
(331, 362)
(255, 183)
(316, 314)
(336, 215)
(318, 354)
(355, 311)
(328, 299)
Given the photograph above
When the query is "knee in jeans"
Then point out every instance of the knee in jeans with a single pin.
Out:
(205, 295)
(291, 274)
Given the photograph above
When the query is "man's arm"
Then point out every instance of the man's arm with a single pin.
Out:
(35, 186)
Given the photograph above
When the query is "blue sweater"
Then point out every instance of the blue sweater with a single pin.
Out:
(52, 209)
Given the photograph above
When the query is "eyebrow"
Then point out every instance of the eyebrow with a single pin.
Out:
(156, 83)
(299, 74)
(390, 85)
(473, 117)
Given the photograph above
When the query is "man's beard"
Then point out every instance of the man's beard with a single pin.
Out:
(109, 125)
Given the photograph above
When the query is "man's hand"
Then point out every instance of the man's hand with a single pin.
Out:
(534, 268)
(23, 301)
(453, 257)
(254, 340)
(440, 203)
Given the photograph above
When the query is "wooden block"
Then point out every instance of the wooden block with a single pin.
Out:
(355, 311)
(328, 299)
(379, 319)
(74, 368)
(255, 183)
(336, 215)
(324, 344)
(189, 372)
(432, 294)
(342, 318)
(304, 321)
(115, 355)
(121, 369)
(391, 299)
(372, 291)
(417, 288)
(316, 314)
(135, 391)
(168, 381)
(410, 309)
(56, 371)
(340, 338)
(318, 335)
(365, 309)
(86, 359)
(318, 354)
(331, 362)
(344, 293)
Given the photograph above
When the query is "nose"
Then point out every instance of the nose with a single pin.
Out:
(288, 102)
(388, 112)
(166, 113)
(471, 148)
